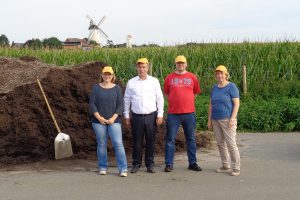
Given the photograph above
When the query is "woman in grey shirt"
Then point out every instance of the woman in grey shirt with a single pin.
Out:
(106, 106)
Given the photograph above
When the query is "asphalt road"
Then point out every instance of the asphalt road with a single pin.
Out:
(270, 170)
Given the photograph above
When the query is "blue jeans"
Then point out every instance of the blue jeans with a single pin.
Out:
(114, 131)
(188, 122)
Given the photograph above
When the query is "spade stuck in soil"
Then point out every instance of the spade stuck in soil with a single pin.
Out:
(62, 142)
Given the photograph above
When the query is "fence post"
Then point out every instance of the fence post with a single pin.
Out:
(244, 80)
(150, 69)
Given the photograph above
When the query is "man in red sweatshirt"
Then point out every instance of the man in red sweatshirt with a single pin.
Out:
(180, 88)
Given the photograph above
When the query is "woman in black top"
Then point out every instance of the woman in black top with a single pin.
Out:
(106, 106)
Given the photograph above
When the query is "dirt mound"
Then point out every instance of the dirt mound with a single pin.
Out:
(26, 129)
(14, 73)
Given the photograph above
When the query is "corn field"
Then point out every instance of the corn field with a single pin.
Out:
(273, 69)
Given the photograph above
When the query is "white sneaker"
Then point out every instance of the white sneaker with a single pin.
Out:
(102, 172)
(123, 174)
(223, 169)
(235, 172)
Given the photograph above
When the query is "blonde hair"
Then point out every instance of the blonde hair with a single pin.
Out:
(226, 74)
(112, 80)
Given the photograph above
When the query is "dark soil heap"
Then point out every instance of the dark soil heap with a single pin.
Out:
(26, 130)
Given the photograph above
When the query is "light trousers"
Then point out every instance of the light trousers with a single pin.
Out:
(226, 141)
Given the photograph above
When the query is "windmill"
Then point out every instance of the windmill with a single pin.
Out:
(96, 33)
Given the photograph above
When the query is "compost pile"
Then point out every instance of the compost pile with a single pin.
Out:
(26, 130)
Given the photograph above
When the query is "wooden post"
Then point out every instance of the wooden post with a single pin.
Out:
(150, 69)
(244, 80)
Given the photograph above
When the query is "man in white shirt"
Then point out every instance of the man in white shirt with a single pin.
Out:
(144, 100)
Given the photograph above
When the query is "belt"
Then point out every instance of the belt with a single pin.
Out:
(144, 114)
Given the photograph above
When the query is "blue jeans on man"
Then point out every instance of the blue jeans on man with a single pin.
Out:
(114, 131)
(188, 122)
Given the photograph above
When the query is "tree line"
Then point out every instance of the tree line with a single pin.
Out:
(51, 42)
(55, 43)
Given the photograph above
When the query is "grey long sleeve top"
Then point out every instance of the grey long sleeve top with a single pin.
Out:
(106, 102)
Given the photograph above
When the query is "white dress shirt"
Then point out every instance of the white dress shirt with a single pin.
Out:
(143, 96)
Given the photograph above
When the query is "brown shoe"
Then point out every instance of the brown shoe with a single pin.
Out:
(168, 168)
(135, 169)
(151, 170)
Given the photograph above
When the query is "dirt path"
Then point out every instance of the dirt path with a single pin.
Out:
(270, 170)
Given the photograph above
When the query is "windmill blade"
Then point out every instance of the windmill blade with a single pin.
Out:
(89, 18)
(101, 21)
(103, 33)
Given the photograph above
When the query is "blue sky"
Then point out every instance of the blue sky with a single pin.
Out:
(156, 21)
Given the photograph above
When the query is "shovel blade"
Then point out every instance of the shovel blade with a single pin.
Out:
(63, 146)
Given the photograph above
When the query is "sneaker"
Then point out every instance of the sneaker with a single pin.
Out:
(223, 169)
(235, 172)
(168, 168)
(123, 174)
(195, 167)
(102, 172)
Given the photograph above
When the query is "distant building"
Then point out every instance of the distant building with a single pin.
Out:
(129, 41)
(76, 43)
(17, 45)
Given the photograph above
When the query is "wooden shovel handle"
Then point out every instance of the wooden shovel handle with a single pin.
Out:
(49, 108)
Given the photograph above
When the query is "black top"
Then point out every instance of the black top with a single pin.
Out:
(107, 102)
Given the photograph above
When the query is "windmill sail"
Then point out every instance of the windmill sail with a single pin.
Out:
(96, 34)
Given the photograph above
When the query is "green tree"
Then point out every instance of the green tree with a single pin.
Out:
(110, 43)
(34, 44)
(4, 41)
(93, 43)
(52, 43)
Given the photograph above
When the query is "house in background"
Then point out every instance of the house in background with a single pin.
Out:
(17, 45)
(76, 43)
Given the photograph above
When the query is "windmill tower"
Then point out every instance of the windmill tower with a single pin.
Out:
(96, 33)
